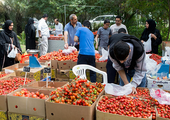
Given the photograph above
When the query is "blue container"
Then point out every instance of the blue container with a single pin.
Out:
(164, 68)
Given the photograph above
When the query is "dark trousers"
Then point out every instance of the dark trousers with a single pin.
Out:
(111, 72)
(89, 60)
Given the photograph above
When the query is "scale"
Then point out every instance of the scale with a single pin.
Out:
(33, 62)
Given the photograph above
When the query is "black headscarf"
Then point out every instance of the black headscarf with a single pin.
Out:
(29, 26)
(6, 28)
(152, 26)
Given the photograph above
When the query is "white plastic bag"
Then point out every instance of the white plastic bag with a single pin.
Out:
(72, 48)
(67, 51)
(96, 52)
(118, 90)
(161, 96)
(166, 58)
(104, 55)
(147, 44)
(13, 53)
(150, 63)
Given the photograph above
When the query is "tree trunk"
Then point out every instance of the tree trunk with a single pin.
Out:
(19, 23)
(169, 20)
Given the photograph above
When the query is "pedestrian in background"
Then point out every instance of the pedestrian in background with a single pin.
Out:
(30, 34)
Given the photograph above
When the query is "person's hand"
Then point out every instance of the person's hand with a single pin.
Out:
(134, 90)
(66, 46)
(49, 28)
(40, 36)
(142, 41)
(153, 36)
(53, 29)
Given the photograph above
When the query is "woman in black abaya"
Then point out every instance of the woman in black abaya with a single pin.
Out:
(156, 38)
(8, 39)
(30, 34)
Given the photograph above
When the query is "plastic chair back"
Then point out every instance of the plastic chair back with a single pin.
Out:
(80, 70)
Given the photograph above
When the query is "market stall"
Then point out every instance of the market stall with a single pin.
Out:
(68, 97)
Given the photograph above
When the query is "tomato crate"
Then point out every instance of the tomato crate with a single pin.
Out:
(57, 111)
(27, 105)
(100, 115)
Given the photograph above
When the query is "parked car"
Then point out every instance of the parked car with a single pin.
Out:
(101, 18)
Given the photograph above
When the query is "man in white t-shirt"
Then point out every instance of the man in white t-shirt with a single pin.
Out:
(58, 27)
(43, 34)
(115, 27)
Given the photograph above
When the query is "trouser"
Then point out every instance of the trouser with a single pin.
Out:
(111, 72)
(43, 45)
(129, 75)
(90, 60)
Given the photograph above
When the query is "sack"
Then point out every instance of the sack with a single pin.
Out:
(160, 95)
(150, 63)
(104, 55)
(18, 57)
(13, 53)
(147, 44)
(118, 90)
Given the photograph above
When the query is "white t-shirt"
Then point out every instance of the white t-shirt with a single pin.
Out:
(58, 29)
(114, 28)
(43, 27)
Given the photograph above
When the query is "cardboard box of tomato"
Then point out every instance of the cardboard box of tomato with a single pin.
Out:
(15, 67)
(42, 84)
(79, 103)
(104, 114)
(7, 85)
(28, 101)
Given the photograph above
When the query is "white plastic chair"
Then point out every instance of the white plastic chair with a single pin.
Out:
(80, 70)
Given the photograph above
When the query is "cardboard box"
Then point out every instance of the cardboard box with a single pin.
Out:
(57, 111)
(109, 116)
(42, 84)
(158, 117)
(8, 74)
(3, 98)
(54, 64)
(16, 116)
(101, 66)
(62, 74)
(15, 67)
(26, 105)
(36, 73)
(3, 115)
(73, 64)
(153, 83)
(64, 65)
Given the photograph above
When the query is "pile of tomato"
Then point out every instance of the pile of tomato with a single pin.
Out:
(7, 86)
(25, 93)
(163, 110)
(58, 55)
(140, 105)
(78, 92)
(156, 57)
(128, 106)
(2, 75)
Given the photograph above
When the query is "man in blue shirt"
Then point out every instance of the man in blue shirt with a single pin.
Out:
(87, 52)
(70, 30)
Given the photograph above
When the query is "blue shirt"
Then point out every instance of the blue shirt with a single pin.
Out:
(86, 41)
(71, 32)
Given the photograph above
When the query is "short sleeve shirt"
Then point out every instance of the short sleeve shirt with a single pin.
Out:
(71, 32)
(104, 36)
